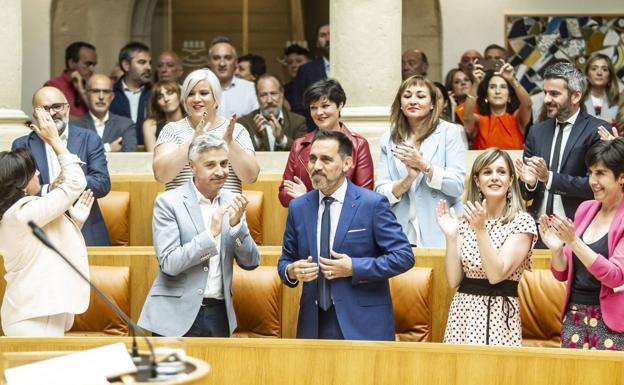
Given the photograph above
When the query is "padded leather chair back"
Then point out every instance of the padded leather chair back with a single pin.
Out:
(411, 298)
(541, 299)
(100, 319)
(254, 214)
(115, 208)
(257, 302)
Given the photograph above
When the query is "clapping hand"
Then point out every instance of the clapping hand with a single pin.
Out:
(476, 214)
(447, 220)
(229, 131)
(526, 172)
(203, 126)
(539, 167)
(295, 188)
(410, 156)
(548, 234)
(82, 208)
(236, 209)
(604, 134)
(563, 228)
(506, 71)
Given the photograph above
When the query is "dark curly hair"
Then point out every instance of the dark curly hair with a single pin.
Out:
(484, 106)
(16, 169)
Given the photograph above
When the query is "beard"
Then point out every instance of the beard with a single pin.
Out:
(61, 124)
(325, 50)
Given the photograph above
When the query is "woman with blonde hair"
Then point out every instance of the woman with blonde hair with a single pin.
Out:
(603, 93)
(201, 96)
(165, 107)
(422, 161)
(487, 250)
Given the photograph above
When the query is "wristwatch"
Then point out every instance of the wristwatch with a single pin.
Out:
(428, 168)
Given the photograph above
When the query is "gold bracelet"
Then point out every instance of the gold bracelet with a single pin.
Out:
(471, 96)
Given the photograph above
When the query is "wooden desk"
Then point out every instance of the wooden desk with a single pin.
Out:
(311, 362)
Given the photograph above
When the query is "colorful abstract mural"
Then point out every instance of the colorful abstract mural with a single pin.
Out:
(535, 41)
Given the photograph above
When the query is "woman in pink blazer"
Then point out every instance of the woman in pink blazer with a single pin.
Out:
(42, 293)
(592, 261)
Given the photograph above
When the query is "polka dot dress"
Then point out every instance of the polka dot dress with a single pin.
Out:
(467, 320)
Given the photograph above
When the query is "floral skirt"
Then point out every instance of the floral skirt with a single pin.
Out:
(584, 328)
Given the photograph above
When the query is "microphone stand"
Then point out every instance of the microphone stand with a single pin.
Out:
(40, 234)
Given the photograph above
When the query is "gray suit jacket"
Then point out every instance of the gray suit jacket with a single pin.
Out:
(183, 248)
(116, 126)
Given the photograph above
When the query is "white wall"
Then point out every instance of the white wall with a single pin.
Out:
(36, 48)
(477, 23)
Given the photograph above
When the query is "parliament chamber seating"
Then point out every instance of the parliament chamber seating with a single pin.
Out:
(100, 319)
(411, 298)
(253, 213)
(115, 208)
(541, 299)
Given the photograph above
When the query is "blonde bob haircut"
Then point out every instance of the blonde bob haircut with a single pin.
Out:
(400, 127)
(515, 204)
(197, 76)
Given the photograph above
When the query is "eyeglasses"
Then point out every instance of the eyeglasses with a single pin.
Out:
(97, 91)
(56, 107)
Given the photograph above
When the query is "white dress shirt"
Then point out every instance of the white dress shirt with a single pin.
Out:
(214, 283)
(133, 97)
(54, 168)
(557, 202)
(327, 67)
(334, 215)
(239, 97)
(100, 125)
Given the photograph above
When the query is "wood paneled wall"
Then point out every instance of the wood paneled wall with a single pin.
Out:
(311, 362)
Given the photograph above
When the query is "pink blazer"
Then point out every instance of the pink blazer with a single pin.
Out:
(609, 271)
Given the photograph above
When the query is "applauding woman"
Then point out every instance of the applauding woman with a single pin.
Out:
(422, 160)
(42, 293)
(486, 252)
(504, 109)
(589, 255)
(324, 99)
(201, 94)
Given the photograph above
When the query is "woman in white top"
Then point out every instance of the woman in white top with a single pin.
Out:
(422, 161)
(201, 95)
(42, 293)
(603, 93)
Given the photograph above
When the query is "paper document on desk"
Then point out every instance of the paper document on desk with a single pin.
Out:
(90, 367)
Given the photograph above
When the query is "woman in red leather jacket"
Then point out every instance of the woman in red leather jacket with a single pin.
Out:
(325, 100)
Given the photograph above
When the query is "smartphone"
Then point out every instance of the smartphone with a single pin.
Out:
(490, 65)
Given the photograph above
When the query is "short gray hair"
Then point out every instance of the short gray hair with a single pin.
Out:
(574, 78)
(203, 143)
(197, 76)
(220, 40)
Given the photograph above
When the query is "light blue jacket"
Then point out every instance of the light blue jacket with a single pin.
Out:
(606, 111)
(446, 151)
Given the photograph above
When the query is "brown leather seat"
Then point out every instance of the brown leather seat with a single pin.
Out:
(257, 302)
(411, 298)
(254, 213)
(541, 299)
(115, 207)
(100, 319)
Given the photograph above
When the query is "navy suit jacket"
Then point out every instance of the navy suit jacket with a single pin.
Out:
(87, 145)
(115, 127)
(307, 75)
(369, 233)
(571, 182)
(121, 106)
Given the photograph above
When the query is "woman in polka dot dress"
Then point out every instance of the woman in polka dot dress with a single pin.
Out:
(486, 252)
(592, 261)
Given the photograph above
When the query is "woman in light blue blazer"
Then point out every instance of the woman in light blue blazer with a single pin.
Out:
(422, 161)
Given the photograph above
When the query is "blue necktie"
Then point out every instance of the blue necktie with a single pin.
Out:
(324, 290)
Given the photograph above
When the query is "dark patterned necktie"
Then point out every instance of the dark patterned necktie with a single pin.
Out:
(324, 290)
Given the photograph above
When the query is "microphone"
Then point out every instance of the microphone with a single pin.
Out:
(152, 374)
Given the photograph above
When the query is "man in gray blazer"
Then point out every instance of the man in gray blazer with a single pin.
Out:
(116, 131)
(199, 229)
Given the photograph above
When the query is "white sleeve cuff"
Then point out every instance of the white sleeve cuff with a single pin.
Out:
(283, 142)
(437, 174)
(234, 229)
(107, 147)
(387, 192)
(548, 183)
(45, 189)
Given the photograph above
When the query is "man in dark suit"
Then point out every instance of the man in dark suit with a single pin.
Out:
(310, 73)
(553, 170)
(270, 127)
(344, 243)
(82, 142)
(133, 89)
(117, 132)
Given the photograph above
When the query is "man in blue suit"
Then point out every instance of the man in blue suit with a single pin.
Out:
(346, 294)
(86, 144)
